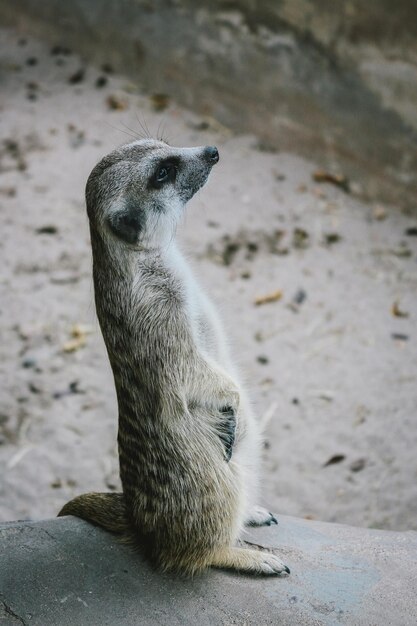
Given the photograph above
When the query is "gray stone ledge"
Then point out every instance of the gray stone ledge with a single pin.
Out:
(66, 572)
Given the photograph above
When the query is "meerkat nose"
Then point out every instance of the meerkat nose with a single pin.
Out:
(211, 154)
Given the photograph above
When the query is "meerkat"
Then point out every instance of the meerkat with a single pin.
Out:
(189, 446)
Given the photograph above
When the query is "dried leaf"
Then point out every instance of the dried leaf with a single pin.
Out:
(321, 176)
(269, 297)
(379, 213)
(300, 238)
(80, 330)
(396, 311)
(74, 344)
(160, 101)
(79, 334)
(116, 103)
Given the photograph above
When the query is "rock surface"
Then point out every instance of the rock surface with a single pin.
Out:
(66, 572)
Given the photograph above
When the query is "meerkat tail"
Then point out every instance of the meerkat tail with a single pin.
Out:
(250, 561)
(107, 510)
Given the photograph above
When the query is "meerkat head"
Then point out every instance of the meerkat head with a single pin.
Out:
(136, 194)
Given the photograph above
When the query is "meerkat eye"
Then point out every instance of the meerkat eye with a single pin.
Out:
(166, 172)
(162, 174)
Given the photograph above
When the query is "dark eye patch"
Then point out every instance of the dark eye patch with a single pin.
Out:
(127, 224)
(165, 172)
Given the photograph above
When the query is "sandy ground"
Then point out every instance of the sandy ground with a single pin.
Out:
(331, 364)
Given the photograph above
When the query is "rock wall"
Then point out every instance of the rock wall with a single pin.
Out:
(336, 81)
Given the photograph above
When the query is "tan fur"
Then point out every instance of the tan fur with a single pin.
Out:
(188, 443)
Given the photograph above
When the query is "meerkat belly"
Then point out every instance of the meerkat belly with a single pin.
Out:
(181, 483)
(201, 313)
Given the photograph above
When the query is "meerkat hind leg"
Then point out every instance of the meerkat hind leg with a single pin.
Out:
(250, 561)
(260, 517)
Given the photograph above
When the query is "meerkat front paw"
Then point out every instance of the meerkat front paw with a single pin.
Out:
(227, 430)
(260, 517)
(271, 564)
(227, 394)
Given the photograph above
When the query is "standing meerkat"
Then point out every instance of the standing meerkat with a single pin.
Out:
(189, 447)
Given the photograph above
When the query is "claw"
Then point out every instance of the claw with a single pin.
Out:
(261, 517)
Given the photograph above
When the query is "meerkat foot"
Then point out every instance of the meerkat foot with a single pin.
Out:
(250, 561)
(260, 517)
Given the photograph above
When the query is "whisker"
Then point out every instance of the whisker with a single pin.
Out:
(143, 126)
(138, 135)
(163, 136)
(120, 130)
(145, 130)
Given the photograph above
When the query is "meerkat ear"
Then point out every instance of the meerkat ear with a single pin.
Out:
(127, 224)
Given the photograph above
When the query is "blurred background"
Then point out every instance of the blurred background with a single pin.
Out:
(305, 235)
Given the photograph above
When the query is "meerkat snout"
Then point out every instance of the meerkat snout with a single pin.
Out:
(212, 154)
